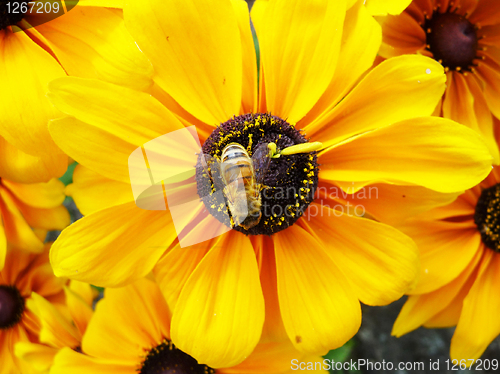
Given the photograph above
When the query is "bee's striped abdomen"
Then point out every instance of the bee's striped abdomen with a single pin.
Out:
(235, 160)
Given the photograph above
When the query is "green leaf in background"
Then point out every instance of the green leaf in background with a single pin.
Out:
(67, 178)
(342, 354)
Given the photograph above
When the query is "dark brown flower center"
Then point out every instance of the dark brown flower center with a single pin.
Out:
(487, 217)
(452, 39)
(287, 187)
(11, 12)
(11, 306)
(167, 359)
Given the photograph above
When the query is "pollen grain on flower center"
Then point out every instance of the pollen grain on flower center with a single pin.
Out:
(11, 306)
(167, 359)
(452, 39)
(487, 217)
(289, 184)
(11, 12)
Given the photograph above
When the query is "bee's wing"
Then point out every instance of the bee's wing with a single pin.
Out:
(211, 166)
(261, 160)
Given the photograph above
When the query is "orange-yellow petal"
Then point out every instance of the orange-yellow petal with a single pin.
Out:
(105, 250)
(126, 322)
(200, 66)
(446, 249)
(39, 356)
(38, 195)
(69, 361)
(432, 152)
(320, 309)
(17, 231)
(380, 262)
(397, 89)
(361, 40)
(111, 122)
(249, 92)
(299, 45)
(419, 309)
(465, 103)
(479, 324)
(92, 192)
(383, 7)
(224, 297)
(94, 43)
(21, 167)
(26, 111)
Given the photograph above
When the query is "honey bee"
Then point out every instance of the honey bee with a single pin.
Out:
(241, 180)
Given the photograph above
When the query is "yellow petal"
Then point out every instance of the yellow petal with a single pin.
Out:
(274, 329)
(479, 324)
(320, 309)
(299, 45)
(361, 40)
(268, 358)
(92, 192)
(48, 219)
(21, 167)
(105, 250)
(174, 268)
(38, 195)
(56, 330)
(464, 103)
(39, 356)
(405, 201)
(249, 92)
(383, 7)
(94, 43)
(80, 311)
(224, 296)
(380, 262)
(432, 152)
(200, 66)
(83, 290)
(117, 121)
(398, 89)
(126, 322)
(17, 231)
(69, 361)
(25, 71)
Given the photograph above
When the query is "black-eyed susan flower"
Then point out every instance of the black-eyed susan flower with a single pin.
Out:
(130, 333)
(23, 274)
(61, 326)
(463, 36)
(303, 276)
(88, 41)
(460, 270)
(27, 211)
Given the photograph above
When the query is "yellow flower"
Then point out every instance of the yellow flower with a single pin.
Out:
(61, 326)
(24, 207)
(460, 273)
(88, 41)
(305, 280)
(23, 274)
(130, 333)
(463, 36)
